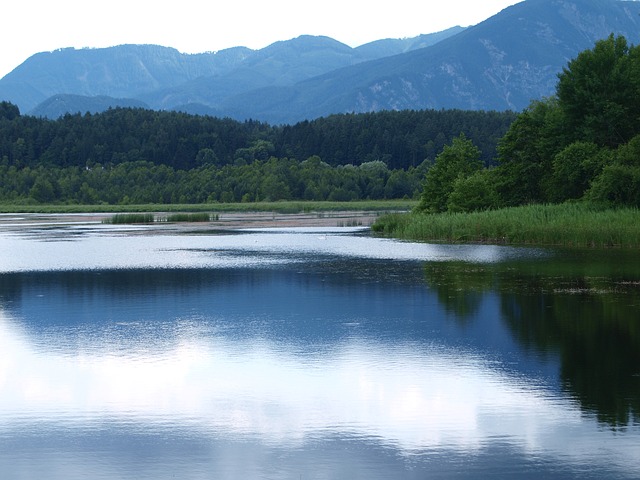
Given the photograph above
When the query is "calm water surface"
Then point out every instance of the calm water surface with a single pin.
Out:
(314, 354)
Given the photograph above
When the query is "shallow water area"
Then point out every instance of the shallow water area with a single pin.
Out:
(164, 351)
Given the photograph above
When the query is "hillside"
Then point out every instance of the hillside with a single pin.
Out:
(500, 64)
(165, 78)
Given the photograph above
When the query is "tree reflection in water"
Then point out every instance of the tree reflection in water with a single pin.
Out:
(581, 306)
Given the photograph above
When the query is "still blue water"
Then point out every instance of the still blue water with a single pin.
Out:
(152, 353)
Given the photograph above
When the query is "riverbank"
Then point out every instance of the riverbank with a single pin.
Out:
(570, 224)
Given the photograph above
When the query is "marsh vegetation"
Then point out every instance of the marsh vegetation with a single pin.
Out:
(569, 224)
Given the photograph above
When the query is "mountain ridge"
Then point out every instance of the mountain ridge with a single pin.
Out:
(500, 64)
(475, 69)
(164, 77)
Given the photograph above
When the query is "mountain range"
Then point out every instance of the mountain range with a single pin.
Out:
(500, 64)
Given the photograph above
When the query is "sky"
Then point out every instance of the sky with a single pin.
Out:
(196, 26)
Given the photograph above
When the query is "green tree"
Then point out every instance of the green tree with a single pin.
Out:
(9, 111)
(574, 168)
(619, 180)
(599, 93)
(206, 156)
(617, 185)
(401, 184)
(458, 160)
(526, 153)
(42, 190)
(475, 192)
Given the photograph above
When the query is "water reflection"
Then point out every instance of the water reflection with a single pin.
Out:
(586, 314)
(271, 355)
(410, 398)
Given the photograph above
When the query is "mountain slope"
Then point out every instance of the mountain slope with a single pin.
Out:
(123, 71)
(499, 64)
(281, 63)
(502, 63)
(165, 78)
(395, 46)
(58, 105)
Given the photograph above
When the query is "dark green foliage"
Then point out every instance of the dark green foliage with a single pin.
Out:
(474, 192)
(146, 183)
(126, 135)
(599, 93)
(8, 111)
(128, 218)
(617, 185)
(582, 143)
(574, 168)
(400, 139)
(456, 162)
(526, 153)
(629, 154)
(181, 141)
(127, 156)
(191, 217)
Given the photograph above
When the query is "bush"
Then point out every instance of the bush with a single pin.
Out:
(617, 185)
(460, 159)
(475, 192)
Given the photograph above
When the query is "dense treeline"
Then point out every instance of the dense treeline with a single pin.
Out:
(123, 135)
(400, 139)
(269, 180)
(134, 155)
(581, 144)
(182, 141)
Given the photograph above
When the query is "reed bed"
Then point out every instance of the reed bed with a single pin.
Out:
(130, 218)
(192, 217)
(133, 218)
(570, 224)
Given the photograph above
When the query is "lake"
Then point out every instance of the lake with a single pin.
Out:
(157, 352)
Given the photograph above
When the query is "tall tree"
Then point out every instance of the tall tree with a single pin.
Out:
(599, 93)
(526, 153)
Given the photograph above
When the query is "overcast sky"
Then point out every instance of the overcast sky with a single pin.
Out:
(194, 26)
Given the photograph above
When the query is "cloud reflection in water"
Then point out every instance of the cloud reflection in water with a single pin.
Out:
(413, 398)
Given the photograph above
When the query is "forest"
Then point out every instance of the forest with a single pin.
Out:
(581, 144)
(125, 155)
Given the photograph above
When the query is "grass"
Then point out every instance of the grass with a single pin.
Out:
(192, 217)
(569, 224)
(132, 218)
(128, 218)
(277, 207)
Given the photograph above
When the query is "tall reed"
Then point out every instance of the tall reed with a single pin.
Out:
(128, 218)
(570, 224)
(192, 217)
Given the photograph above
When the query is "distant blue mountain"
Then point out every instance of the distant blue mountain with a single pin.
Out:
(59, 105)
(164, 78)
(500, 64)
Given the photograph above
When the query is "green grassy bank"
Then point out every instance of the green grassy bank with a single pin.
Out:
(570, 224)
(278, 207)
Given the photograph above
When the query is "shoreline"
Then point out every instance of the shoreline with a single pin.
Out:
(225, 221)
